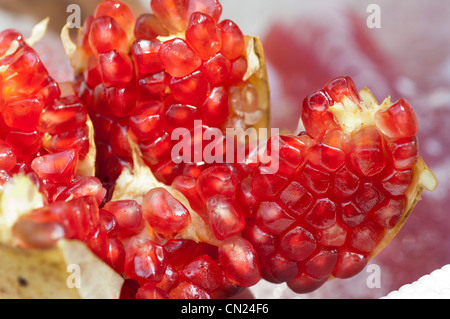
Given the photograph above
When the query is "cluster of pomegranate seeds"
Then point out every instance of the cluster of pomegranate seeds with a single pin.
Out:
(336, 191)
(178, 65)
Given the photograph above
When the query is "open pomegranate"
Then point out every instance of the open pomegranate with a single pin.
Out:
(110, 196)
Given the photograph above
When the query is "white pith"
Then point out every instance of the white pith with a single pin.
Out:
(352, 116)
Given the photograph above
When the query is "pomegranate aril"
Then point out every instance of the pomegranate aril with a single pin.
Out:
(397, 182)
(265, 184)
(341, 88)
(26, 144)
(239, 262)
(225, 216)
(57, 168)
(186, 290)
(144, 260)
(233, 44)
(171, 13)
(203, 272)
(335, 236)
(277, 268)
(82, 186)
(145, 56)
(349, 264)
(8, 157)
(245, 197)
(397, 121)
(181, 115)
(345, 183)
(164, 213)
(273, 218)
(151, 291)
(23, 115)
(304, 283)
(119, 139)
(323, 214)
(326, 156)
(106, 35)
(116, 255)
(77, 139)
(120, 11)
(365, 237)
(116, 68)
(129, 216)
(153, 87)
(263, 241)
(288, 151)
(121, 101)
(146, 123)
(403, 153)
(212, 8)
(156, 151)
(352, 215)
(315, 115)
(296, 198)
(216, 110)
(170, 279)
(65, 113)
(369, 197)
(315, 180)
(216, 180)
(187, 185)
(204, 35)
(178, 58)
(148, 27)
(366, 152)
(110, 223)
(322, 263)
(298, 243)
(216, 69)
(192, 89)
(390, 213)
(237, 72)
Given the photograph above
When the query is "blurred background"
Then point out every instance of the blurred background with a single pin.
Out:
(307, 43)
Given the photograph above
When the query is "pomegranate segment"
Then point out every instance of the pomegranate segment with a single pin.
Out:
(335, 197)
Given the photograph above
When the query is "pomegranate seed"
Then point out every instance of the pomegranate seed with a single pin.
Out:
(225, 216)
(349, 264)
(204, 35)
(322, 263)
(277, 268)
(203, 272)
(77, 139)
(187, 185)
(210, 7)
(216, 180)
(315, 180)
(237, 72)
(365, 237)
(304, 283)
(150, 291)
(156, 151)
(146, 123)
(148, 27)
(352, 216)
(403, 153)
(215, 111)
(82, 186)
(170, 279)
(273, 218)
(164, 213)
(7, 156)
(390, 213)
(153, 87)
(397, 182)
(106, 35)
(171, 13)
(145, 56)
(110, 223)
(144, 260)
(23, 115)
(296, 198)
(216, 69)
(366, 152)
(345, 183)
(397, 121)
(116, 68)
(239, 262)
(263, 241)
(322, 215)
(192, 89)
(62, 114)
(233, 44)
(298, 244)
(121, 13)
(334, 236)
(116, 255)
(129, 216)
(181, 115)
(121, 100)
(273, 182)
(315, 115)
(57, 168)
(186, 290)
(178, 58)
(343, 87)
(26, 144)
(119, 139)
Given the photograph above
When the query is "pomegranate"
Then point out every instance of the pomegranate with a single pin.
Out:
(177, 65)
(345, 186)
(110, 191)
